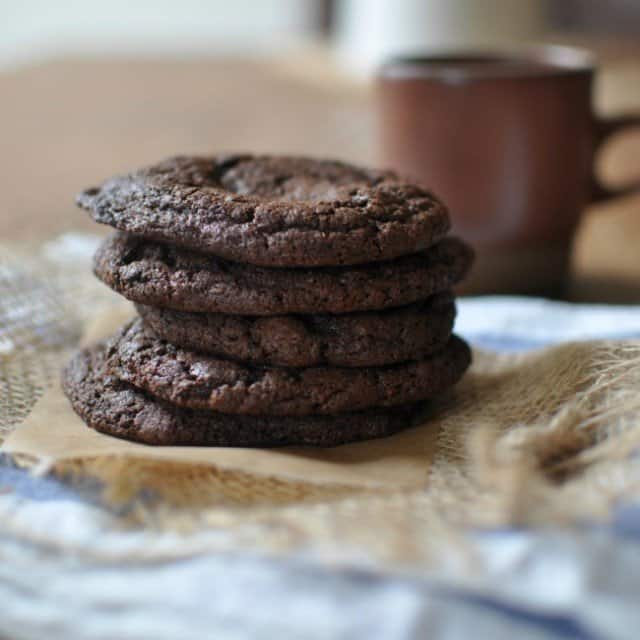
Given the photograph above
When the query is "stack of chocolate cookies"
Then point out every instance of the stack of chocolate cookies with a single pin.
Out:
(281, 301)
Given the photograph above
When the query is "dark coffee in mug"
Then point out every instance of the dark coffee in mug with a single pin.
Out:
(508, 142)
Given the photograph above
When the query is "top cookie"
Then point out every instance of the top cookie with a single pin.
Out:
(272, 211)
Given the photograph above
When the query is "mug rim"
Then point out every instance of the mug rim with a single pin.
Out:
(489, 63)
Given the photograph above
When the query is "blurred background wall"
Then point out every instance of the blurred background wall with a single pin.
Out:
(32, 29)
(591, 16)
(364, 30)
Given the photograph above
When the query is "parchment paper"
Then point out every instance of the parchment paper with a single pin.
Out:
(54, 433)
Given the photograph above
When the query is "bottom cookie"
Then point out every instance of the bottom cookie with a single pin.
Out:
(110, 406)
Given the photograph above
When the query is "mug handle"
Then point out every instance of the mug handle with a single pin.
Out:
(605, 128)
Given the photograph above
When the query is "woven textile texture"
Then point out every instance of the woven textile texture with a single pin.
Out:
(537, 438)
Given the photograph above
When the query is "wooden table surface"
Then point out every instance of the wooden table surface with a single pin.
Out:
(68, 124)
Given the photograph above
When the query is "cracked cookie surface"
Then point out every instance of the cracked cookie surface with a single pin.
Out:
(115, 408)
(271, 210)
(365, 339)
(197, 381)
(165, 276)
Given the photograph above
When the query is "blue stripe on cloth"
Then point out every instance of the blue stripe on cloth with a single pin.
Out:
(626, 521)
(25, 484)
(506, 343)
(503, 344)
(561, 626)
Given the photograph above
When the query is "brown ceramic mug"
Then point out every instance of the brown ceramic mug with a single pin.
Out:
(508, 141)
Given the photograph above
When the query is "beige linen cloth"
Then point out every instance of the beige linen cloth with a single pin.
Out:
(541, 438)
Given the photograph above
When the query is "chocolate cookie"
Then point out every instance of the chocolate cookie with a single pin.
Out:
(168, 277)
(115, 408)
(272, 211)
(194, 380)
(366, 339)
